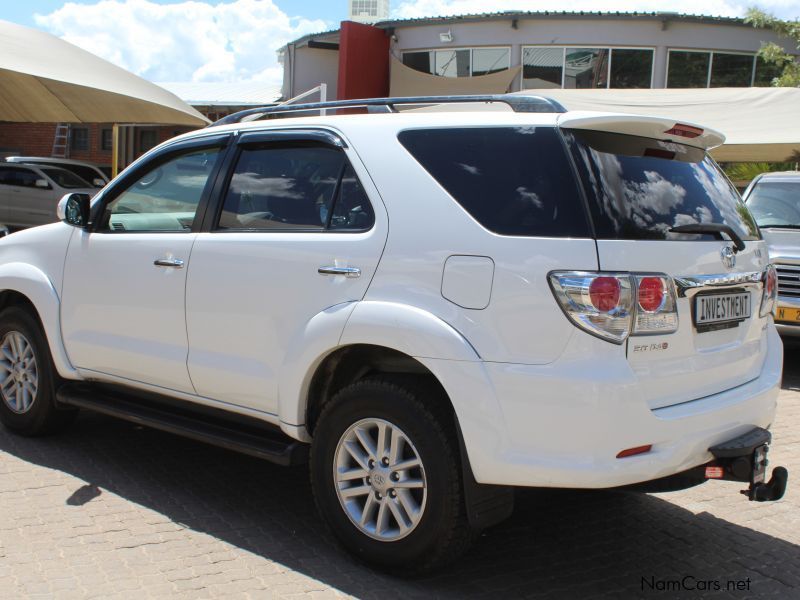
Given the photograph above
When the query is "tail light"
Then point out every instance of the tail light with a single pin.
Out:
(613, 306)
(770, 295)
(655, 307)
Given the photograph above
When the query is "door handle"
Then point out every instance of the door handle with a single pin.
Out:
(350, 272)
(175, 263)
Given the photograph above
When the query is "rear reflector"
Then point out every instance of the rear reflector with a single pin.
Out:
(715, 472)
(634, 451)
(686, 131)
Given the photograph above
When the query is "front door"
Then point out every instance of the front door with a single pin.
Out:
(124, 281)
(297, 234)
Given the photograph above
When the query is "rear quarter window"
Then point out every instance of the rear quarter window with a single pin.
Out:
(514, 181)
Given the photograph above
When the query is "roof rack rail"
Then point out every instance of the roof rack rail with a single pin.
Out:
(517, 102)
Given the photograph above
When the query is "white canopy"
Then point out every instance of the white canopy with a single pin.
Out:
(44, 79)
(759, 124)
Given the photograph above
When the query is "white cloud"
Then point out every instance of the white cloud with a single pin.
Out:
(183, 41)
(786, 9)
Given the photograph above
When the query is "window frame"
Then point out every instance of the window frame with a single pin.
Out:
(154, 159)
(565, 47)
(454, 49)
(279, 138)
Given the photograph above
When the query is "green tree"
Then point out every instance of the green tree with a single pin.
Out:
(772, 53)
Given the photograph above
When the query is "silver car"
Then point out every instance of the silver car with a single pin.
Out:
(85, 170)
(29, 194)
(774, 201)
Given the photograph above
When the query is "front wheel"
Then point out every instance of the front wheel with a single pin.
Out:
(27, 377)
(386, 476)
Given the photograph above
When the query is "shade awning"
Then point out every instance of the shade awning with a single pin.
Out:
(44, 79)
(406, 81)
(760, 124)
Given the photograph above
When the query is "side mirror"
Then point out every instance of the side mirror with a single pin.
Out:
(97, 182)
(42, 183)
(73, 209)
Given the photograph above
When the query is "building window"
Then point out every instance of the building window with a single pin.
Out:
(148, 138)
(586, 68)
(631, 68)
(106, 140)
(542, 68)
(765, 73)
(459, 62)
(688, 69)
(732, 70)
(79, 139)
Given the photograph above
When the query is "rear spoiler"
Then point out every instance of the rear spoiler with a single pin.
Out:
(659, 128)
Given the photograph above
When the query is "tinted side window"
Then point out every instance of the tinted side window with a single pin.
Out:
(7, 176)
(512, 180)
(640, 188)
(295, 187)
(166, 197)
(352, 209)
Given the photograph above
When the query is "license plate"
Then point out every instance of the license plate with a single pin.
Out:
(711, 309)
(788, 315)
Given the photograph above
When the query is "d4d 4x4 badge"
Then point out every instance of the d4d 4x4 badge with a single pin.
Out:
(728, 256)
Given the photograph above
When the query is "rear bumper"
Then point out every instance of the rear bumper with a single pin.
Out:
(562, 424)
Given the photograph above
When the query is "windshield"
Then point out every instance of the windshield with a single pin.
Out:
(641, 188)
(775, 203)
(65, 179)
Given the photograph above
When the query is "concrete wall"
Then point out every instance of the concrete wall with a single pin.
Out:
(587, 32)
(313, 66)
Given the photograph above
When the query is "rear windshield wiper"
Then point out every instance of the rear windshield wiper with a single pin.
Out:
(776, 226)
(714, 228)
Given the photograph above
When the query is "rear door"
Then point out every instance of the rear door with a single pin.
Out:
(639, 189)
(300, 230)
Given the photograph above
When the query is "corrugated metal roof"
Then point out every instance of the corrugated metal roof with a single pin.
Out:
(546, 14)
(224, 94)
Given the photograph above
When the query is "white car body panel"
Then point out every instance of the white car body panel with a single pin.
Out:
(131, 326)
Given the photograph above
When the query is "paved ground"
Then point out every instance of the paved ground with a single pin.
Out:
(113, 510)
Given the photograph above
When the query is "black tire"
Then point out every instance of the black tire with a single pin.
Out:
(42, 416)
(442, 532)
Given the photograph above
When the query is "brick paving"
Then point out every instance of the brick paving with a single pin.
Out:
(112, 510)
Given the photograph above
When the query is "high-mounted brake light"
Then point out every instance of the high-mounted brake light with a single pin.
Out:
(682, 130)
(613, 306)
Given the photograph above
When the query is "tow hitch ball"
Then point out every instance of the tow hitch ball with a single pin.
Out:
(745, 459)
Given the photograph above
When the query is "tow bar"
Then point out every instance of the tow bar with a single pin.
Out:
(744, 458)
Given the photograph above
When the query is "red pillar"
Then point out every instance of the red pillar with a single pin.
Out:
(363, 62)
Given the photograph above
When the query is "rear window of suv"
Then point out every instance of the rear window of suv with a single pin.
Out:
(640, 188)
(512, 180)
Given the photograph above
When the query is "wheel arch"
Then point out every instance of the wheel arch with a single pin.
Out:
(26, 286)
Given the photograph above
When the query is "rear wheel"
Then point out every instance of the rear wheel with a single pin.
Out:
(386, 476)
(27, 377)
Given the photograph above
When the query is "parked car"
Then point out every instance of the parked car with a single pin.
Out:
(430, 309)
(29, 194)
(85, 170)
(774, 200)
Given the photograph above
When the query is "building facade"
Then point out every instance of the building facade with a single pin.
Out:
(549, 50)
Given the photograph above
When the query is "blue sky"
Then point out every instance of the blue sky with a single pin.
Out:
(327, 10)
(238, 40)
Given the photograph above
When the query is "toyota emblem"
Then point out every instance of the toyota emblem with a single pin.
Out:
(728, 256)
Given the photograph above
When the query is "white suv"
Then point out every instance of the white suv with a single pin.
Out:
(431, 308)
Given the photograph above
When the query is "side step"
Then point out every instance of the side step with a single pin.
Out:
(212, 426)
